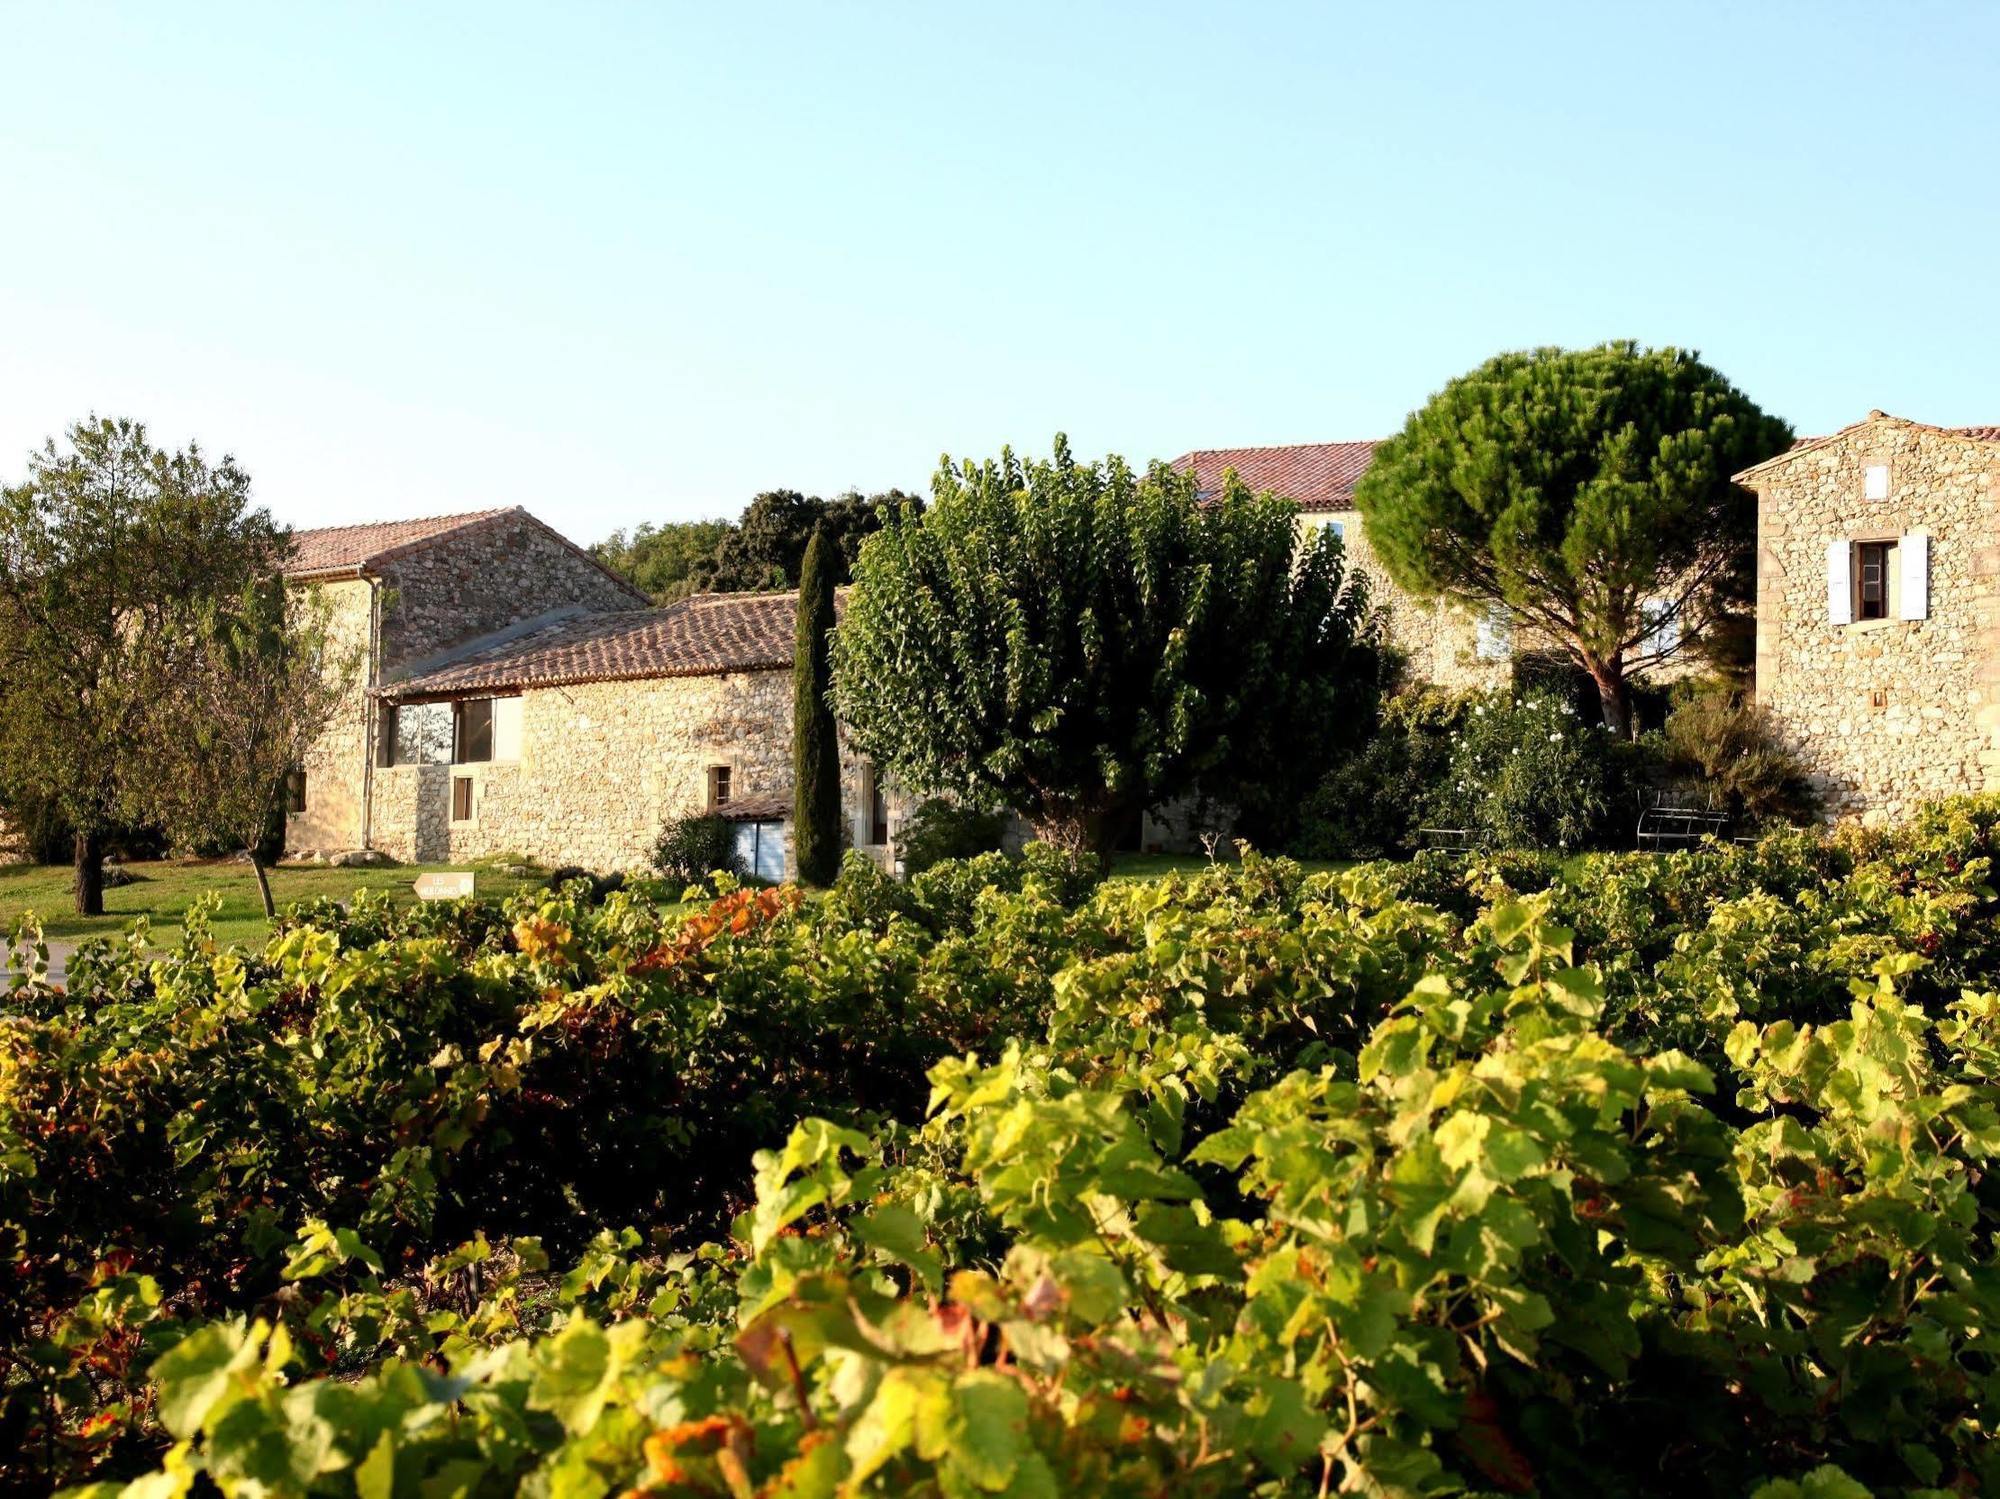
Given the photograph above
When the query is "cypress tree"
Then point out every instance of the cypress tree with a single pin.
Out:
(815, 747)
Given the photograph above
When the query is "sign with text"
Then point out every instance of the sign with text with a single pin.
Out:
(450, 885)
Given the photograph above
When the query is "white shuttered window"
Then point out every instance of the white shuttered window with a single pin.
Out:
(1840, 582)
(1913, 556)
(506, 728)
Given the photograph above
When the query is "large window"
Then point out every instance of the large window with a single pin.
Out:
(471, 732)
(416, 734)
(488, 728)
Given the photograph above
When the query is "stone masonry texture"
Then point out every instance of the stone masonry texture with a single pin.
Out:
(1886, 713)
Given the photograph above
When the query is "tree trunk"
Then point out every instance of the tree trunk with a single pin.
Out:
(1082, 830)
(89, 886)
(1614, 694)
(263, 883)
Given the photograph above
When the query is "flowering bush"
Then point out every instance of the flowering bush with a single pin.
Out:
(1529, 773)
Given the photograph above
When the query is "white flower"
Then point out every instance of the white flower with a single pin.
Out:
(1555, 738)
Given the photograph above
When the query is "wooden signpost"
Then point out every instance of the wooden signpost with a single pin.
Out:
(450, 885)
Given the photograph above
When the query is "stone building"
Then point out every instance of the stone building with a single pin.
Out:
(1878, 610)
(516, 697)
(1444, 642)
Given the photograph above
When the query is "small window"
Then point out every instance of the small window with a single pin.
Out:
(718, 787)
(295, 791)
(1339, 529)
(1874, 576)
(878, 806)
(1875, 481)
(461, 798)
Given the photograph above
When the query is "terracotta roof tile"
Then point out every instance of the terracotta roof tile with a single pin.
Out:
(702, 636)
(1317, 475)
(343, 548)
(766, 808)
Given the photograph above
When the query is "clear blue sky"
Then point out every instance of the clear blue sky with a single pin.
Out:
(620, 263)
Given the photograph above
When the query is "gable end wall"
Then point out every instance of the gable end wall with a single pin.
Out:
(470, 583)
(1886, 713)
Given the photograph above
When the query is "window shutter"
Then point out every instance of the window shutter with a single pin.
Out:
(1914, 556)
(1839, 582)
(506, 728)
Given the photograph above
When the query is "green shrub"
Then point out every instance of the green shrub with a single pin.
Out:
(692, 848)
(1725, 748)
(1371, 804)
(940, 829)
(1530, 773)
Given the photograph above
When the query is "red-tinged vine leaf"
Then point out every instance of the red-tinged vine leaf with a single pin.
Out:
(1486, 1445)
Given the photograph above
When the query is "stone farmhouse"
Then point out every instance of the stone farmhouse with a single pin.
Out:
(1878, 610)
(517, 697)
(1444, 643)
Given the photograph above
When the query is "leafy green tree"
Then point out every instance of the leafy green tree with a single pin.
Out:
(1079, 642)
(767, 547)
(670, 561)
(1585, 491)
(815, 738)
(110, 553)
(261, 684)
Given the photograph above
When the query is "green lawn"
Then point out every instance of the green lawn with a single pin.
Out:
(165, 888)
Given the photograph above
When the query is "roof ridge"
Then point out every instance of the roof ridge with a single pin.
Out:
(1286, 447)
(407, 520)
(709, 597)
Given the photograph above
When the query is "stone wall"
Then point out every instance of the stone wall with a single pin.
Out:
(1438, 638)
(337, 770)
(1886, 713)
(481, 579)
(444, 593)
(603, 767)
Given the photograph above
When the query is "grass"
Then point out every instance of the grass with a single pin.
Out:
(166, 888)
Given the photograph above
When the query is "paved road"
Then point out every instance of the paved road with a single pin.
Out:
(58, 961)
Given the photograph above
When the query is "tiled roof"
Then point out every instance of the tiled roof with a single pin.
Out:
(1317, 475)
(345, 548)
(702, 636)
(767, 808)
